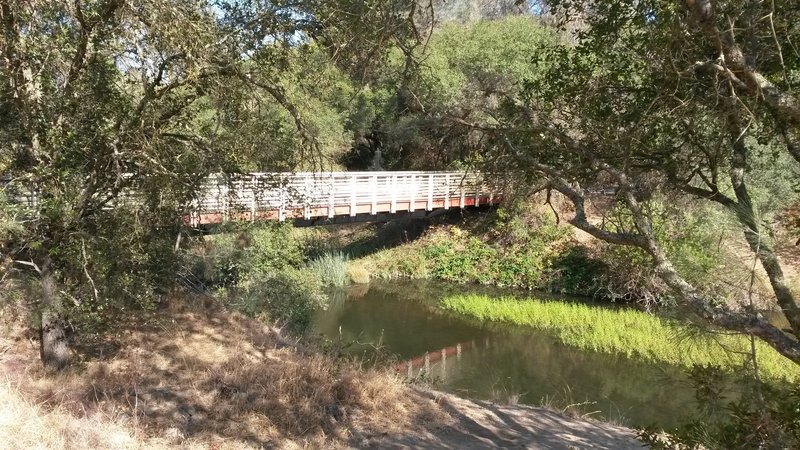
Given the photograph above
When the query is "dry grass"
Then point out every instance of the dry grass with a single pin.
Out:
(358, 274)
(206, 380)
(29, 426)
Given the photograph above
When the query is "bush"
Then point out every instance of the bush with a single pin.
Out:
(272, 246)
(576, 272)
(690, 234)
(289, 297)
(245, 252)
(331, 268)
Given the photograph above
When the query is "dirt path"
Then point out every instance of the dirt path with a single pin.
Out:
(480, 424)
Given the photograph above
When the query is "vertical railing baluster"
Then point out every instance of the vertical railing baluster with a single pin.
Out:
(430, 192)
(477, 190)
(306, 196)
(352, 195)
(225, 202)
(393, 207)
(447, 191)
(462, 200)
(412, 205)
(282, 207)
(330, 197)
(253, 198)
(374, 209)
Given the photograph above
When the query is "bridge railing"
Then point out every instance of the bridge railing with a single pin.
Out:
(280, 196)
(310, 194)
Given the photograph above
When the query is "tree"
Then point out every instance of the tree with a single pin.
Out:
(667, 96)
(113, 112)
(461, 75)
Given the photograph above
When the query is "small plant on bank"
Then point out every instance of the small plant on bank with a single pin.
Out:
(331, 268)
(358, 274)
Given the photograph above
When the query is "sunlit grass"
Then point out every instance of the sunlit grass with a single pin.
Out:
(331, 269)
(625, 331)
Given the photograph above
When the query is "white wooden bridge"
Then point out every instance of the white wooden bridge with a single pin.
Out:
(324, 197)
(314, 197)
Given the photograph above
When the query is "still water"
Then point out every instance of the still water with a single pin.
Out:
(498, 362)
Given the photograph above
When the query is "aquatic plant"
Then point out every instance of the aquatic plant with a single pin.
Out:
(626, 331)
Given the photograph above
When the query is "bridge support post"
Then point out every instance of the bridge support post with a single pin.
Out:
(282, 207)
(331, 212)
(225, 202)
(307, 197)
(253, 205)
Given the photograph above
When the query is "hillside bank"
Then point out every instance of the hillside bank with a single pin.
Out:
(204, 377)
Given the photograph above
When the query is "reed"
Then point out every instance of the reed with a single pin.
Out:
(331, 269)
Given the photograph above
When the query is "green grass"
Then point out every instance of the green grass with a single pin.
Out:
(624, 331)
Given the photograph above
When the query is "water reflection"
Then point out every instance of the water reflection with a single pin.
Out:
(487, 360)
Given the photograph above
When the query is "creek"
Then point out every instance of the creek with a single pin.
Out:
(399, 323)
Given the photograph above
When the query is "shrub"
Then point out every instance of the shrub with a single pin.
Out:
(690, 233)
(245, 251)
(576, 272)
(289, 296)
(272, 246)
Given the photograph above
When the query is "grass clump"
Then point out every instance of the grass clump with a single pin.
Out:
(358, 274)
(624, 331)
(331, 268)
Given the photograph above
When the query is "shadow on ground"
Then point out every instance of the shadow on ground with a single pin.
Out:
(215, 379)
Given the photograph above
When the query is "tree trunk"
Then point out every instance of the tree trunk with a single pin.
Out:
(752, 232)
(53, 343)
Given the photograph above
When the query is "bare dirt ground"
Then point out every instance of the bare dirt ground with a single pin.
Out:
(215, 380)
(481, 424)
